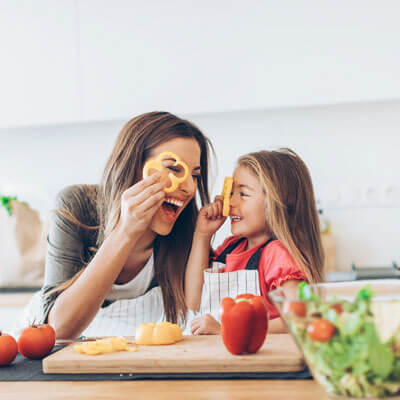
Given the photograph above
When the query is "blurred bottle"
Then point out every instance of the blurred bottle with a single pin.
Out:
(324, 224)
(328, 242)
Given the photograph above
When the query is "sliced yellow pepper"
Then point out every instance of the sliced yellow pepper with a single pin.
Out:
(160, 334)
(156, 163)
(106, 345)
(226, 194)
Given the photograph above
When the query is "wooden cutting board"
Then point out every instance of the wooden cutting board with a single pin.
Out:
(193, 354)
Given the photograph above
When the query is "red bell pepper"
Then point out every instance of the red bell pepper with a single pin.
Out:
(244, 323)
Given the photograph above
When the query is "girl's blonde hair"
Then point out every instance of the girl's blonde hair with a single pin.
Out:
(291, 210)
(123, 169)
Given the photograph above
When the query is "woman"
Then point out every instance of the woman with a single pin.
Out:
(117, 251)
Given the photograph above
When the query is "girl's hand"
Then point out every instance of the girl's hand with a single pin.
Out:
(139, 203)
(210, 217)
(205, 325)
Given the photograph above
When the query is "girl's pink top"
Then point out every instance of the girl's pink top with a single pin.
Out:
(275, 267)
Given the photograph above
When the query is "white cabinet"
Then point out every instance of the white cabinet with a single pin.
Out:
(39, 77)
(191, 57)
(82, 60)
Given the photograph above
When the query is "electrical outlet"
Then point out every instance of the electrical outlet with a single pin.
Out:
(371, 196)
(356, 195)
(360, 196)
(391, 195)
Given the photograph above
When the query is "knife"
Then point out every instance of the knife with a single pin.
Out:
(77, 340)
(61, 342)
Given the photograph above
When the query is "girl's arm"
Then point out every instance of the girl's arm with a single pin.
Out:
(197, 262)
(209, 220)
(77, 305)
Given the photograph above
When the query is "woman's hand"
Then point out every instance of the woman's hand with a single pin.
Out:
(205, 325)
(139, 203)
(210, 217)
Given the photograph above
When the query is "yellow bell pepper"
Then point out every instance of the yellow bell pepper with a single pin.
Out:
(156, 163)
(158, 334)
(106, 345)
(226, 194)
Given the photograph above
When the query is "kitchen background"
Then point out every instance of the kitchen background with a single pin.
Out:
(320, 78)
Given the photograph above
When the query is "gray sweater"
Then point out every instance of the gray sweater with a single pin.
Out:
(68, 245)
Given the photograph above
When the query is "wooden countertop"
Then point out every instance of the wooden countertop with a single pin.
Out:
(148, 389)
(176, 390)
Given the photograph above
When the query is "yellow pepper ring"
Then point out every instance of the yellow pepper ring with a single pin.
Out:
(156, 163)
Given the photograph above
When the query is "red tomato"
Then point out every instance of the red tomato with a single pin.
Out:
(297, 308)
(8, 349)
(36, 341)
(337, 307)
(321, 330)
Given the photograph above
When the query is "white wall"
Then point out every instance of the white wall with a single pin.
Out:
(87, 60)
(352, 152)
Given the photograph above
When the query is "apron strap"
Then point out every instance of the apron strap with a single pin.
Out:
(154, 281)
(153, 284)
(255, 258)
(222, 257)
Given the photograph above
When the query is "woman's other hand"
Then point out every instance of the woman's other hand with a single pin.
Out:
(205, 325)
(139, 203)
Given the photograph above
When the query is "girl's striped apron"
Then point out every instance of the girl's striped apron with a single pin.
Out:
(218, 285)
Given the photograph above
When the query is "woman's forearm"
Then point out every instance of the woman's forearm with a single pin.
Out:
(197, 263)
(75, 308)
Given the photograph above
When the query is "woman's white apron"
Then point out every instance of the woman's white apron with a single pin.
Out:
(122, 317)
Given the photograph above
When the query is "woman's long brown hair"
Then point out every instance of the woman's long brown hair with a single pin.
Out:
(123, 169)
(291, 209)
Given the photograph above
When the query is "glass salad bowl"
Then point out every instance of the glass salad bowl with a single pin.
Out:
(349, 334)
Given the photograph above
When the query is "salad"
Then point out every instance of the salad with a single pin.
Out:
(352, 346)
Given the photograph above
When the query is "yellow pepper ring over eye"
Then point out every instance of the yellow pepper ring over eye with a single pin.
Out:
(156, 163)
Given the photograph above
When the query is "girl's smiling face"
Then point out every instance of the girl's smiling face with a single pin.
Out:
(247, 213)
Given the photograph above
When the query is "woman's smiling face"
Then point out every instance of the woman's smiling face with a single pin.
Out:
(188, 150)
(247, 213)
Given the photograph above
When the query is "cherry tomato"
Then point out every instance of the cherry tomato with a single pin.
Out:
(297, 308)
(337, 307)
(8, 349)
(321, 330)
(36, 341)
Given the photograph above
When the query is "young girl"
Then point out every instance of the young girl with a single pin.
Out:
(117, 251)
(276, 238)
